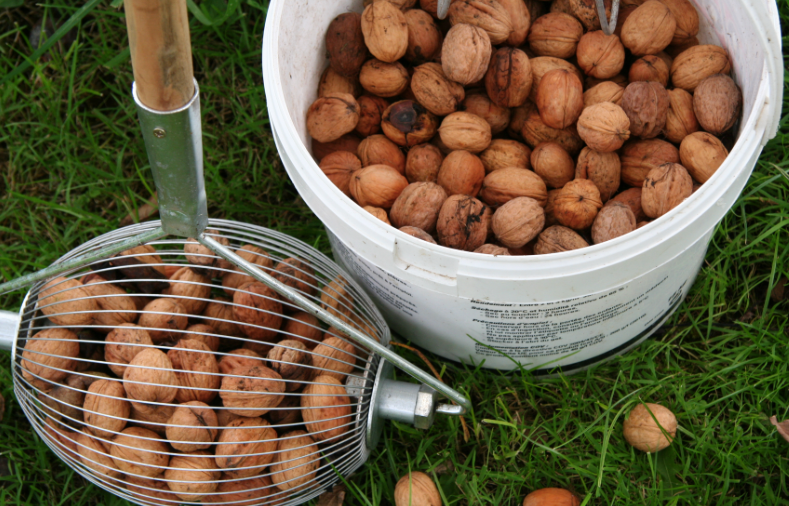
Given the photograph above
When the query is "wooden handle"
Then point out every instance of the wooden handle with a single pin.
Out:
(161, 52)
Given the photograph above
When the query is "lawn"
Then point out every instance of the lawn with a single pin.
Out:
(72, 166)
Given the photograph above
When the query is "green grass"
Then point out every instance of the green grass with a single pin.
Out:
(72, 164)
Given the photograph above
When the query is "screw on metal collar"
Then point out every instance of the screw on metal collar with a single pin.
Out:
(607, 25)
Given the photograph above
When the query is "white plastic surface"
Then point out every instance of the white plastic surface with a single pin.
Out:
(566, 310)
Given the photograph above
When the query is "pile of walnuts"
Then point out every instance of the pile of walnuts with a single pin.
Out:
(518, 127)
(193, 382)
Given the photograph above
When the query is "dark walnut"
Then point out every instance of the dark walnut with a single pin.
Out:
(463, 223)
(407, 123)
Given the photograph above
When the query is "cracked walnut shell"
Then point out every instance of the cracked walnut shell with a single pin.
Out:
(407, 123)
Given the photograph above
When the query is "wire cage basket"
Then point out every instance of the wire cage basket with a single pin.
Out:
(167, 376)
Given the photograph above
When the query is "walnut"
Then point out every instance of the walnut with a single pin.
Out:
(717, 103)
(680, 120)
(649, 29)
(371, 108)
(65, 401)
(296, 461)
(326, 408)
(332, 82)
(422, 163)
(192, 427)
(479, 104)
(191, 290)
(518, 221)
(544, 64)
(553, 164)
(535, 131)
(114, 304)
(192, 476)
(416, 488)
(697, 63)
(520, 18)
(665, 187)
(508, 80)
(151, 416)
(501, 186)
(338, 167)
(675, 50)
(577, 204)
(702, 153)
(418, 233)
(407, 123)
(333, 357)
(625, 11)
(604, 127)
(196, 370)
(431, 6)
(332, 116)
(650, 427)
(613, 221)
(461, 173)
(105, 408)
(150, 491)
(139, 451)
(150, 377)
(246, 448)
(345, 44)
(437, 93)
(252, 390)
(336, 297)
(61, 296)
(687, 20)
(466, 53)
(288, 359)
(488, 15)
(49, 356)
(303, 327)
(560, 98)
(555, 34)
(163, 318)
(384, 79)
(377, 185)
(492, 249)
(620, 79)
(296, 274)
(378, 213)
(517, 118)
(424, 37)
(123, 344)
(142, 263)
(603, 169)
(419, 203)
(600, 55)
(632, 198)
(201, 257)
(550, 218)
(94, 456)
(646, 106)
(378, 149)
(586, 11)
(465, 131)
(258, 310)
(239, 358)
(348, 142)
(287, 414)
(649, 68)
(248, 492)
(385, 31)
(233, 281)
(638, 157)
(503, 153)
(463, 223)
(556, 239)
(61, 436)
(219, 315)
(551, 496)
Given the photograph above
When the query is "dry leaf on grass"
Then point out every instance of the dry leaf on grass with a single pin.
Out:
(783, 427)
(333, 498)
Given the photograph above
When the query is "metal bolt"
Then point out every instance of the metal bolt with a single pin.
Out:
(159, 132)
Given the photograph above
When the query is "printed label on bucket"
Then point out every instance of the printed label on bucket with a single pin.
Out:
(563, 335)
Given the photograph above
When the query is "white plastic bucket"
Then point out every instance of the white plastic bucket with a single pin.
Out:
(568, 310)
